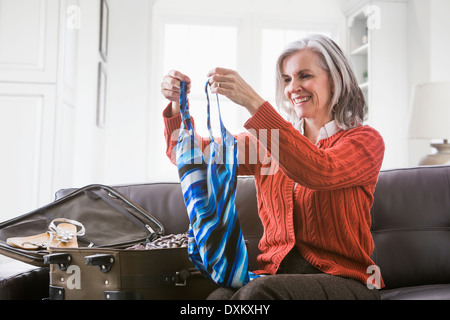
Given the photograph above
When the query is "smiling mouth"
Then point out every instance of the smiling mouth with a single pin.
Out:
(301, 100)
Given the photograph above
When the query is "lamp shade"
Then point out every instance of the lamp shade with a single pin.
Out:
(430, 111)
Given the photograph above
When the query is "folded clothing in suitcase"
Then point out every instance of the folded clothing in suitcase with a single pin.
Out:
(112, 224)
(110, 220)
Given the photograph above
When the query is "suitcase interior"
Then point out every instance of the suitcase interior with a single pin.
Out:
(110, 220)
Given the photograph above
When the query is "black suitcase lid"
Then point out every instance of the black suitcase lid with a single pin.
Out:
(110, 220)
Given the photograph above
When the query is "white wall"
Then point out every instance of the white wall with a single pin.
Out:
(388, 76)
(440, 40)
(428, 47)
(127, 131)
(115, 153)
(88, 162)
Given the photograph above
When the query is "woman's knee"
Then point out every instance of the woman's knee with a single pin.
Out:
(262, 288)
(303, 287)
(257, 289)
(221, 294)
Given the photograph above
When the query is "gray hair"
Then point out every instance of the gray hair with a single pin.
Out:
(347, 105)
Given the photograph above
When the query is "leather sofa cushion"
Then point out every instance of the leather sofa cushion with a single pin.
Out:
(411, 226)
(427, 292)
(21, 281)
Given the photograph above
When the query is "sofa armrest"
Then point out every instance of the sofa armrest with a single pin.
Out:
(22, 281)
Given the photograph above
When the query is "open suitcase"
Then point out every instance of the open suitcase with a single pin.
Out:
(105, 264)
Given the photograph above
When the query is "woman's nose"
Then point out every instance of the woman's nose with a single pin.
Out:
(295, 86)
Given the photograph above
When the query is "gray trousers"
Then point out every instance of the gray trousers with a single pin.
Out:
(297, 279)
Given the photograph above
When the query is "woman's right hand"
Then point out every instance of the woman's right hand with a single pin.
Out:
(170, 88)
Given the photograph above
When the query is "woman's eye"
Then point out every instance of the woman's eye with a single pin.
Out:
(287, 80)
(305, 76)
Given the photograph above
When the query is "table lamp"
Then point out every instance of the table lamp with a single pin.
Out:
(430, 119)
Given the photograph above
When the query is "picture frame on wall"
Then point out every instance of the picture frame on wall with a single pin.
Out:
(104, 22)
(101, 96)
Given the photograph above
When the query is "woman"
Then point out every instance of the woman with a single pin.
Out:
(316, 208)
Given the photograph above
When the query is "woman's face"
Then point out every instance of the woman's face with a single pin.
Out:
(307, 85)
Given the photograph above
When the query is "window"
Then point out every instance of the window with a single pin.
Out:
(194, 49)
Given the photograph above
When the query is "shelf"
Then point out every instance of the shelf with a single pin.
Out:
(362, 50)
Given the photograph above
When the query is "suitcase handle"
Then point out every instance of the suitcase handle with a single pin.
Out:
(104, 262)
(62, 260)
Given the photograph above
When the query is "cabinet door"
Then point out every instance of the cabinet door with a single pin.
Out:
(28, 40)
(27, 125)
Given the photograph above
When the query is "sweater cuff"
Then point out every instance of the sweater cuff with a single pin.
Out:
(171, 122)
(266, 117)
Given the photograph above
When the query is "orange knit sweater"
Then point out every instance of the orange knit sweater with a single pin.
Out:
(327, 216)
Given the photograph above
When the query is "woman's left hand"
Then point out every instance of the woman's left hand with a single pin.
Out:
(230, 84)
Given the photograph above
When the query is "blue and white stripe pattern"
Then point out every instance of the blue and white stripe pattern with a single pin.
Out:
(216, 244)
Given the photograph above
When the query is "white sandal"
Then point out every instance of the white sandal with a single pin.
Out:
(63, 235)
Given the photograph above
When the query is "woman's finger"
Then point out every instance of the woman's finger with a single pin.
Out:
(179, 76)
(220, 71)
(229, 83)
(171, 84)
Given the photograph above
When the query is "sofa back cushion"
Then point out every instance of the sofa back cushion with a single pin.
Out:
(411, 226)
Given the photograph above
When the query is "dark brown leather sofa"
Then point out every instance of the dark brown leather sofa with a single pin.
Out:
(410, 226)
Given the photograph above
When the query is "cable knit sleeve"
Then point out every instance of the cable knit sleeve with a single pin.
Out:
(353, 160)
(171, 131)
